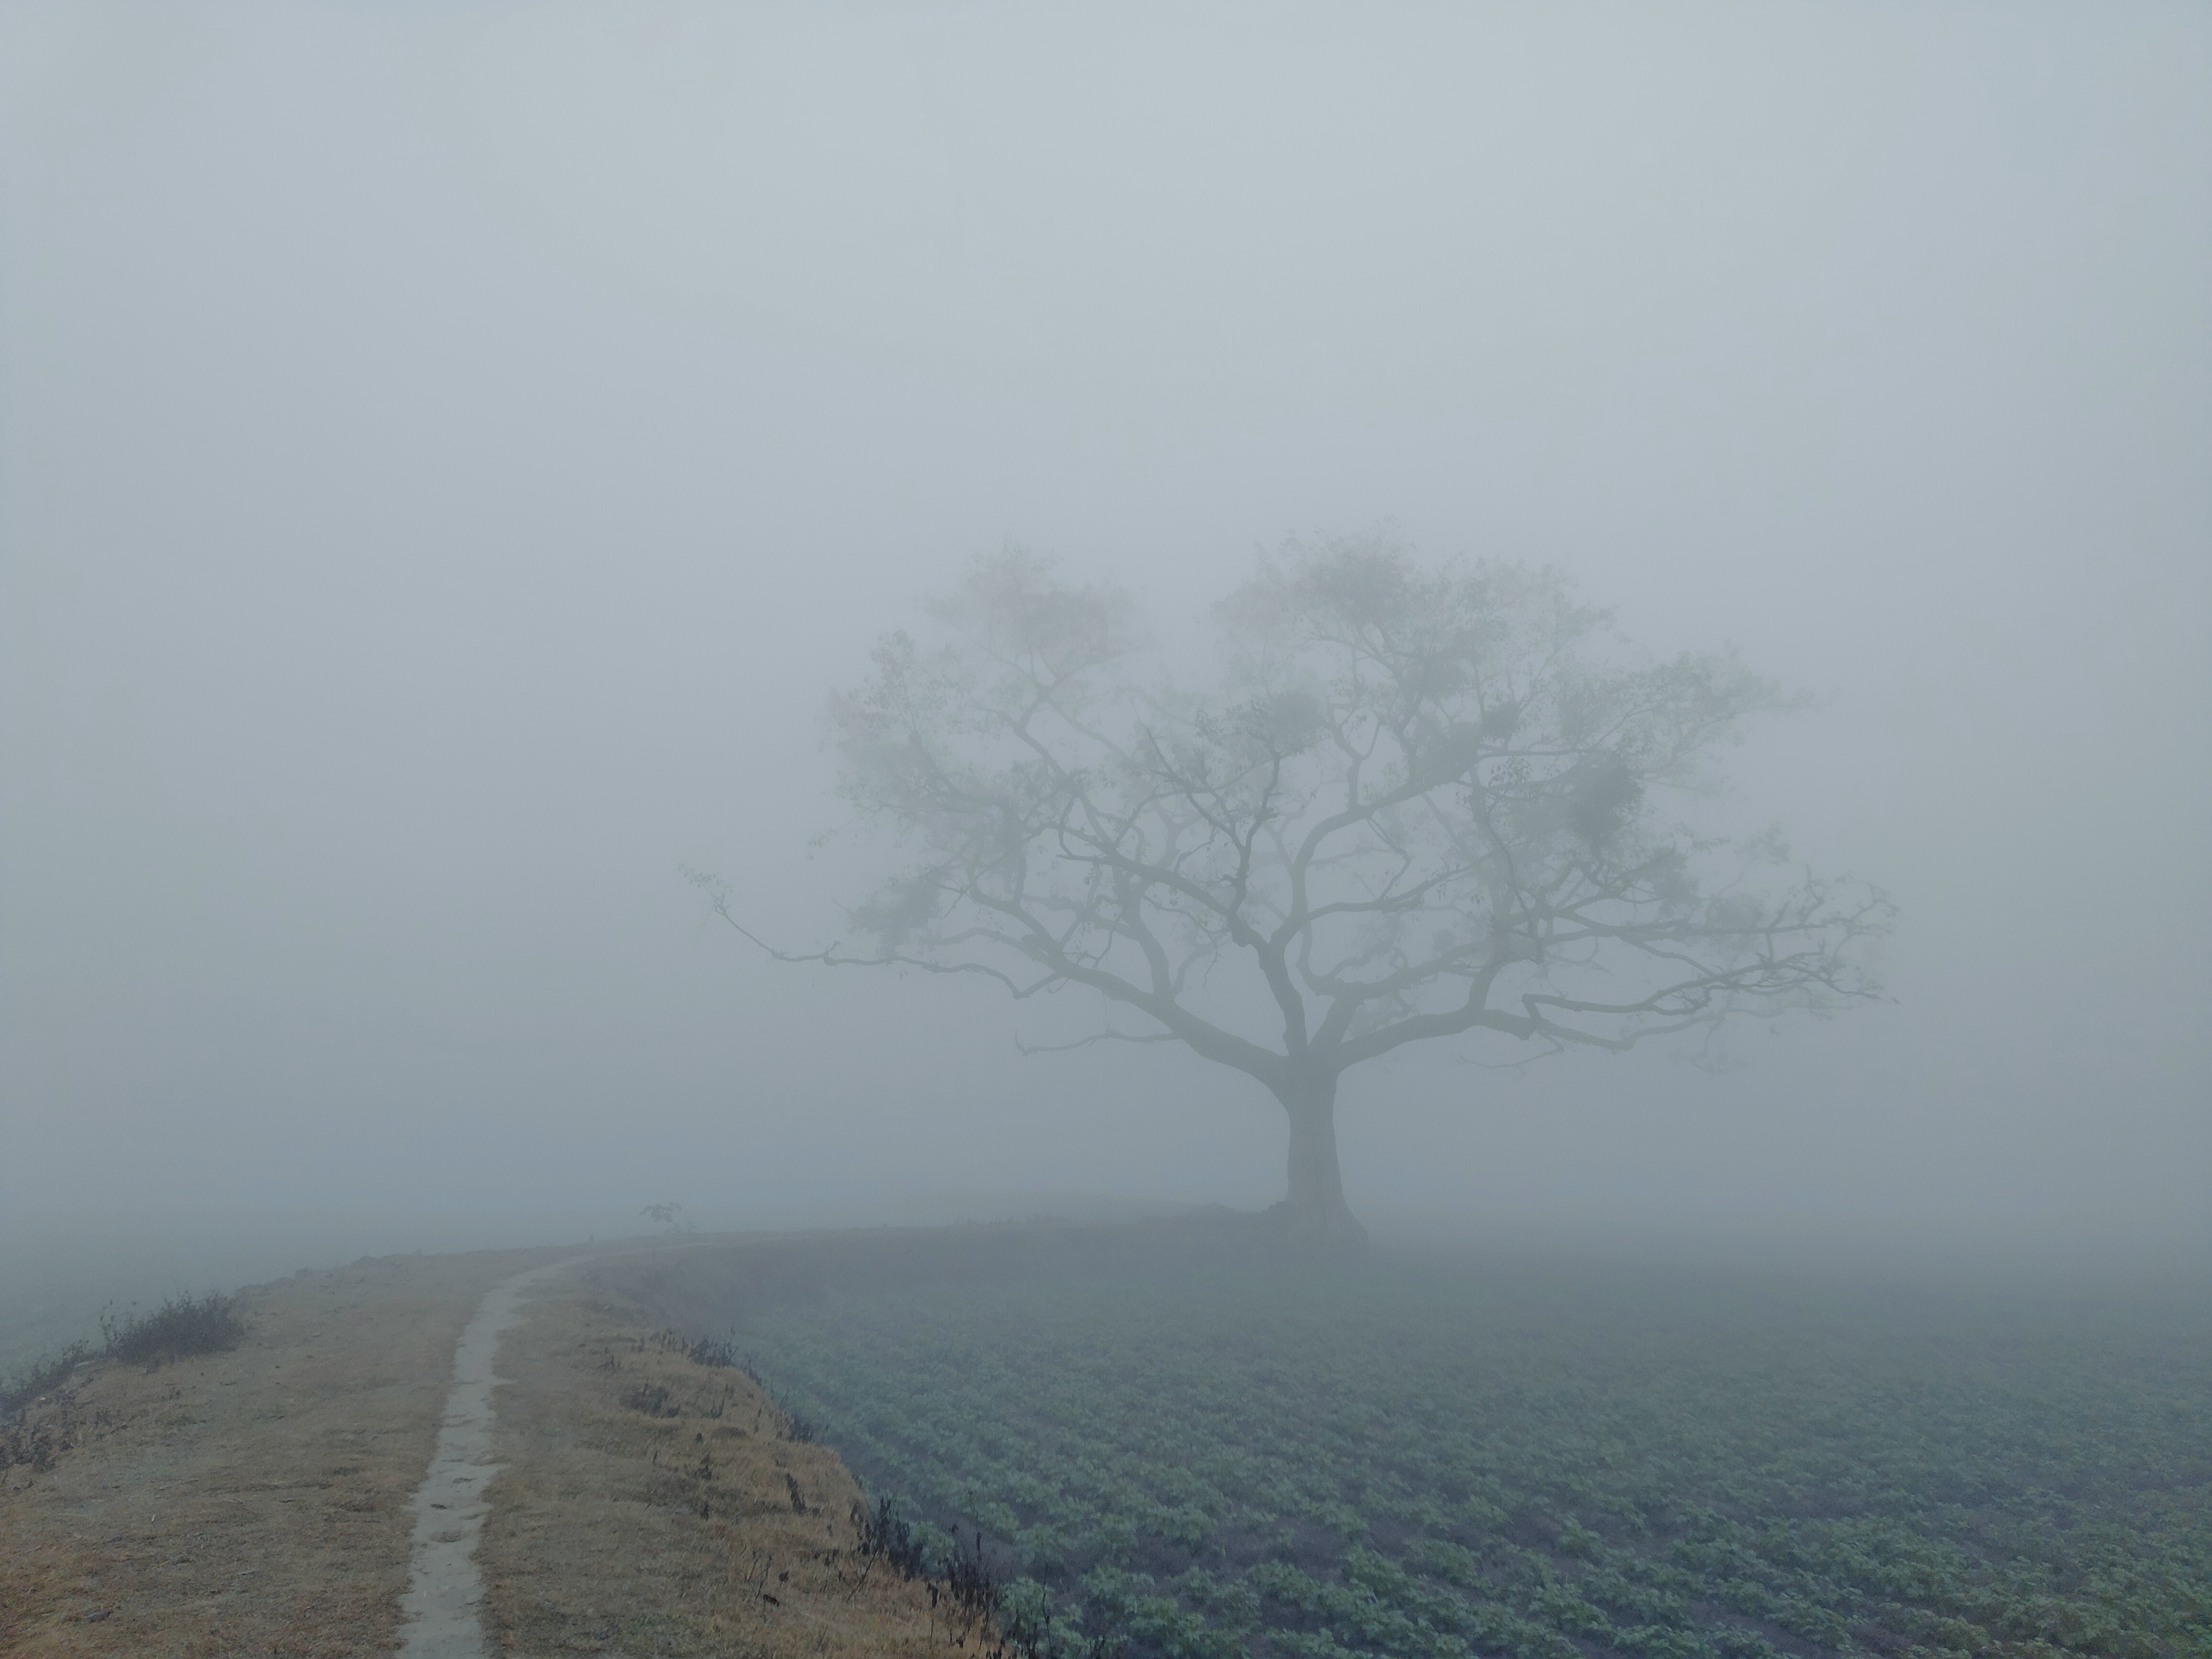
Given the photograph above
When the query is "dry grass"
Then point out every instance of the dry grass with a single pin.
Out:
(653, 1503)
(247, 1502)
(256, 1502)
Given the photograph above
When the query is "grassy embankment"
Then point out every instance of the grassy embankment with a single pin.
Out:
(251, 1499)
(235, 1475)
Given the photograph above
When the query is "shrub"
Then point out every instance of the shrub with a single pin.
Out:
(182, 1325)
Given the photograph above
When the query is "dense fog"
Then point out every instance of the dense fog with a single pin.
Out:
(449, 454)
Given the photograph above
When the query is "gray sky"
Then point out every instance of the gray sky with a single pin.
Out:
(447, 453)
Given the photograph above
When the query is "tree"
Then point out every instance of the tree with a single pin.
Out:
(1421, 803)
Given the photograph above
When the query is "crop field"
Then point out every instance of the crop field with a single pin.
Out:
(1426, 1463)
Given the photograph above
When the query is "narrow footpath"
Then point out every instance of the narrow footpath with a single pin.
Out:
(442, 1609)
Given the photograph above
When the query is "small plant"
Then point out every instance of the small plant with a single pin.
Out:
(796, 1429)
(718, 1356)
(34, 1438)
(653, 1400)
(41, 1377)
(700, 1350)
(182, 1325)
(888, 1536)
(969, 1583)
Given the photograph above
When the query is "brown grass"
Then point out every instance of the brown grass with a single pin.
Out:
(247, 1502)
(652, 1503)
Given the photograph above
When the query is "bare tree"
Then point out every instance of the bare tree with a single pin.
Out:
(1422, 803)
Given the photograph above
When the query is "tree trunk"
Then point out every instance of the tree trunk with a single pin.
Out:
(1315, 1207)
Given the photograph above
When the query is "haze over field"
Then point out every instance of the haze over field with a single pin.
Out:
(447, 456)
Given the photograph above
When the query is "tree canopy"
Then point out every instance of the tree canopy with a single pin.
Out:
(1419, 803)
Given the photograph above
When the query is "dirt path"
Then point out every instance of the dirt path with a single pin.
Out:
(443, 1605)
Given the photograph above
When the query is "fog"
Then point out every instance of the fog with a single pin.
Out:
(448, 455)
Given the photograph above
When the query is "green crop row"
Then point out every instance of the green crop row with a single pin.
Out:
(1429, 1466)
